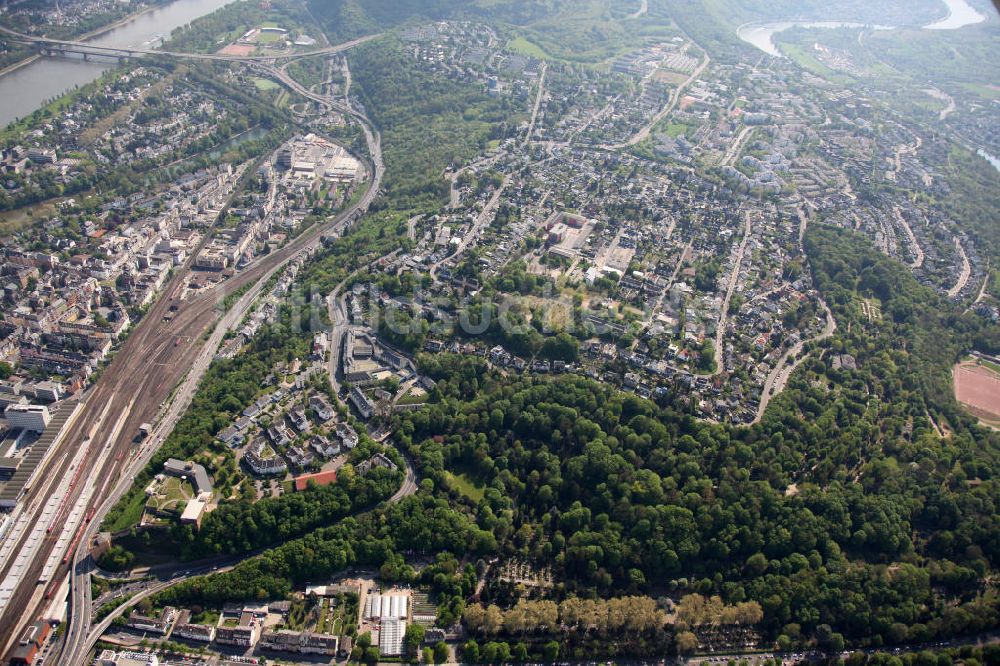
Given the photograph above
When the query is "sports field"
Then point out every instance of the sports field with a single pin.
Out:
(978, 388)
(237, 50)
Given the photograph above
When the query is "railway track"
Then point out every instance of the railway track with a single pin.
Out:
(132, 390)
(190, 320)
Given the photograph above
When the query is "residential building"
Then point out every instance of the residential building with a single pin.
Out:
(204, 633)
(244, 634)
(262, 460)
(361, 402)
(156, 625)
(192, 472)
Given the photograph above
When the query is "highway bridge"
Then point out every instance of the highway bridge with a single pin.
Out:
(61, 47)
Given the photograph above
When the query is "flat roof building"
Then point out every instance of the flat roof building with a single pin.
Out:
(127, 658)
(193, 512)
(193, 472)
(28, 417)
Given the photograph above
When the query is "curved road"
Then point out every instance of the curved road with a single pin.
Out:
(783, 370)
(964, 274)
(87, 636)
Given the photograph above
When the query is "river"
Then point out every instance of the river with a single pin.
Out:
(31, 86)
(989, 158)
(960, 14)
(761, 35)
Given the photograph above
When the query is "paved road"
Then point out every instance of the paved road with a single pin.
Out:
(675, 96)
(965, 274)
(339, 321)
(673, 279)
(80, 573)
(734, 277)
(484, 218)
(643, 9)
(129, 393)
(918, 253)
(88, 637)
(409, 486)
(986, 284)
(783, 370)
(538, 104)
(735, 148)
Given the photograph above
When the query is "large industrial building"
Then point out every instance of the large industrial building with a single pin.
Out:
(390, 637)
(312, 158)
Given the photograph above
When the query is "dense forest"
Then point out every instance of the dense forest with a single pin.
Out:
(428, 123)
(842, 507)
(345, 19)
(238, 528)
(842, 516)
(419, 525)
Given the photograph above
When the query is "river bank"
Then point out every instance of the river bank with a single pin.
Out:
(760, 34)
(93, 34)
(27, 85)
(19, 64)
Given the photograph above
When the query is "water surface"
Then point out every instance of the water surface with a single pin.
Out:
(30, 87)
(761, 35)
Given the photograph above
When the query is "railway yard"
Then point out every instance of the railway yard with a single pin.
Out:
(98, 443)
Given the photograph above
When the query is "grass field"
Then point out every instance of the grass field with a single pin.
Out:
(466, 486)
(415, 396)
(524, 47)
(589, 32)
(802, 57)
(985, 91)
(265, 84)
(170, 494)
(269, 37)
(669, 76)
(675, 130)
(206, 616)
(53, 109)
(129, 516)
(15, 220)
